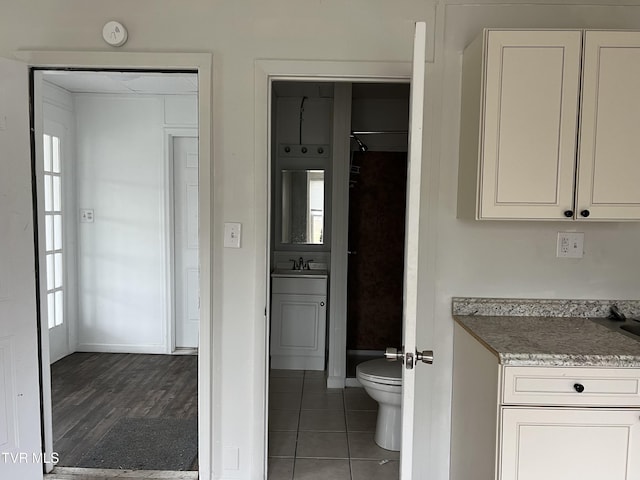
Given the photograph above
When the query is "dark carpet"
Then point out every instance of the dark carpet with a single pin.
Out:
(138, 443)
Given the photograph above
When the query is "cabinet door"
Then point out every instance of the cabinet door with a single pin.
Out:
(531, 90)
(608, 166)
(569, 444)
(298, 331)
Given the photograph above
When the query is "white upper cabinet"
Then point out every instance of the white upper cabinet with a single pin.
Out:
(609, 159)
(519, 129)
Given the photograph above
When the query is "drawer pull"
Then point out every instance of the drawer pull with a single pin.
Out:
(578, 387)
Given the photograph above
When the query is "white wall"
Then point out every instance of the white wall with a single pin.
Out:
(119, 171)
(122, 174)
(457, 258)
(509, 259)
(381, 114)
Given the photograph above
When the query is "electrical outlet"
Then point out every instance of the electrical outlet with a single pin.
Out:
(570, 245)
(86, 215)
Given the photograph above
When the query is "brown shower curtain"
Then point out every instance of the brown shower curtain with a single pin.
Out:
(376, 242)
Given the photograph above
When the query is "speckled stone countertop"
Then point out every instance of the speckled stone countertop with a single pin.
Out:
(549, 332)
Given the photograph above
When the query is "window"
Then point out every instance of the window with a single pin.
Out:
(53, 230)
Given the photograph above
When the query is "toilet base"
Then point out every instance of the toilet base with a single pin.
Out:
(389, 427)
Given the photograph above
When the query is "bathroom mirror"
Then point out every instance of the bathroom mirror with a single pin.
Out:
(303, 207)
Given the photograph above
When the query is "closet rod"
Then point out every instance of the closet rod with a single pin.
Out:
(380, 132)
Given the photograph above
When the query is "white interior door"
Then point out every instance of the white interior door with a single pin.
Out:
(19, 390)
(185, 188)
(412, 242)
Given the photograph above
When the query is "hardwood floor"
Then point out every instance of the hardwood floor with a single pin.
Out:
(92, 391)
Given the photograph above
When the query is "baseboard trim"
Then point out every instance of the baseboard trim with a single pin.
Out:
(335, 382)
(352, 382)
(117, 348)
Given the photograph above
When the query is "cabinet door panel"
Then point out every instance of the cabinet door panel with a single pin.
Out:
(298, 324)
(569, 444)
(530, 121)
(608, 169)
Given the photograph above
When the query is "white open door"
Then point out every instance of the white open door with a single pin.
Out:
(412, 241)
(20, 426)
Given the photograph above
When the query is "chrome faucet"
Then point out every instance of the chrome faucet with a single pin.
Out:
(300, 264)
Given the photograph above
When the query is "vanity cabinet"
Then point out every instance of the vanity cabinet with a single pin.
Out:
(298, 321)
(541, 422)
(549, 126)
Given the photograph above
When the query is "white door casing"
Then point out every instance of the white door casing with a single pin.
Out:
(206, 376)
(19, 389)
(185, 202)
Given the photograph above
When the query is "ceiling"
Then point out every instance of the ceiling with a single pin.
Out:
(124, 82)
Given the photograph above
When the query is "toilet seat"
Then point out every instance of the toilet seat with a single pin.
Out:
(380, 371)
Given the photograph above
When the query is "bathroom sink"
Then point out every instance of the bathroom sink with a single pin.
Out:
(630, 327)
(279, 272)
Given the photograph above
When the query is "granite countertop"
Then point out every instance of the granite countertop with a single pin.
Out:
(564, 336)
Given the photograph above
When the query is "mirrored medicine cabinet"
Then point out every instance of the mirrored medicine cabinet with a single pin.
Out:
(302, 197)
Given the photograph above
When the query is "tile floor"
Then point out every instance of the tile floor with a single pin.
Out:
(320, 433)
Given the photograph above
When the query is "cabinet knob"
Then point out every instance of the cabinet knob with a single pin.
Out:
(578, 387)
(322, 304)
(585, 213)
(568, 213)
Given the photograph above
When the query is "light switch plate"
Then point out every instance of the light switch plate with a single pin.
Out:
(570, 245)
(232, 234)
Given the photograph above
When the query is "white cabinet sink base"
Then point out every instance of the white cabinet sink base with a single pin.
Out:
(298, 322)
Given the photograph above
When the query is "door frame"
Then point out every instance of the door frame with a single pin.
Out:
(202, 64)
(266, 72)
(170, 133)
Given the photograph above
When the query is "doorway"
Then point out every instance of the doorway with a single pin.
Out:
(313, 426)
(119, 225)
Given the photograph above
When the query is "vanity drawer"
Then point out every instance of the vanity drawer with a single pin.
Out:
(299, 285)
(571, 386)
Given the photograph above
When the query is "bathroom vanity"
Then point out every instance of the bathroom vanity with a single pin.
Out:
(298, 319)
(543, 393)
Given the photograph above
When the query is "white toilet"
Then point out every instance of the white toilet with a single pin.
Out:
(382, 380)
